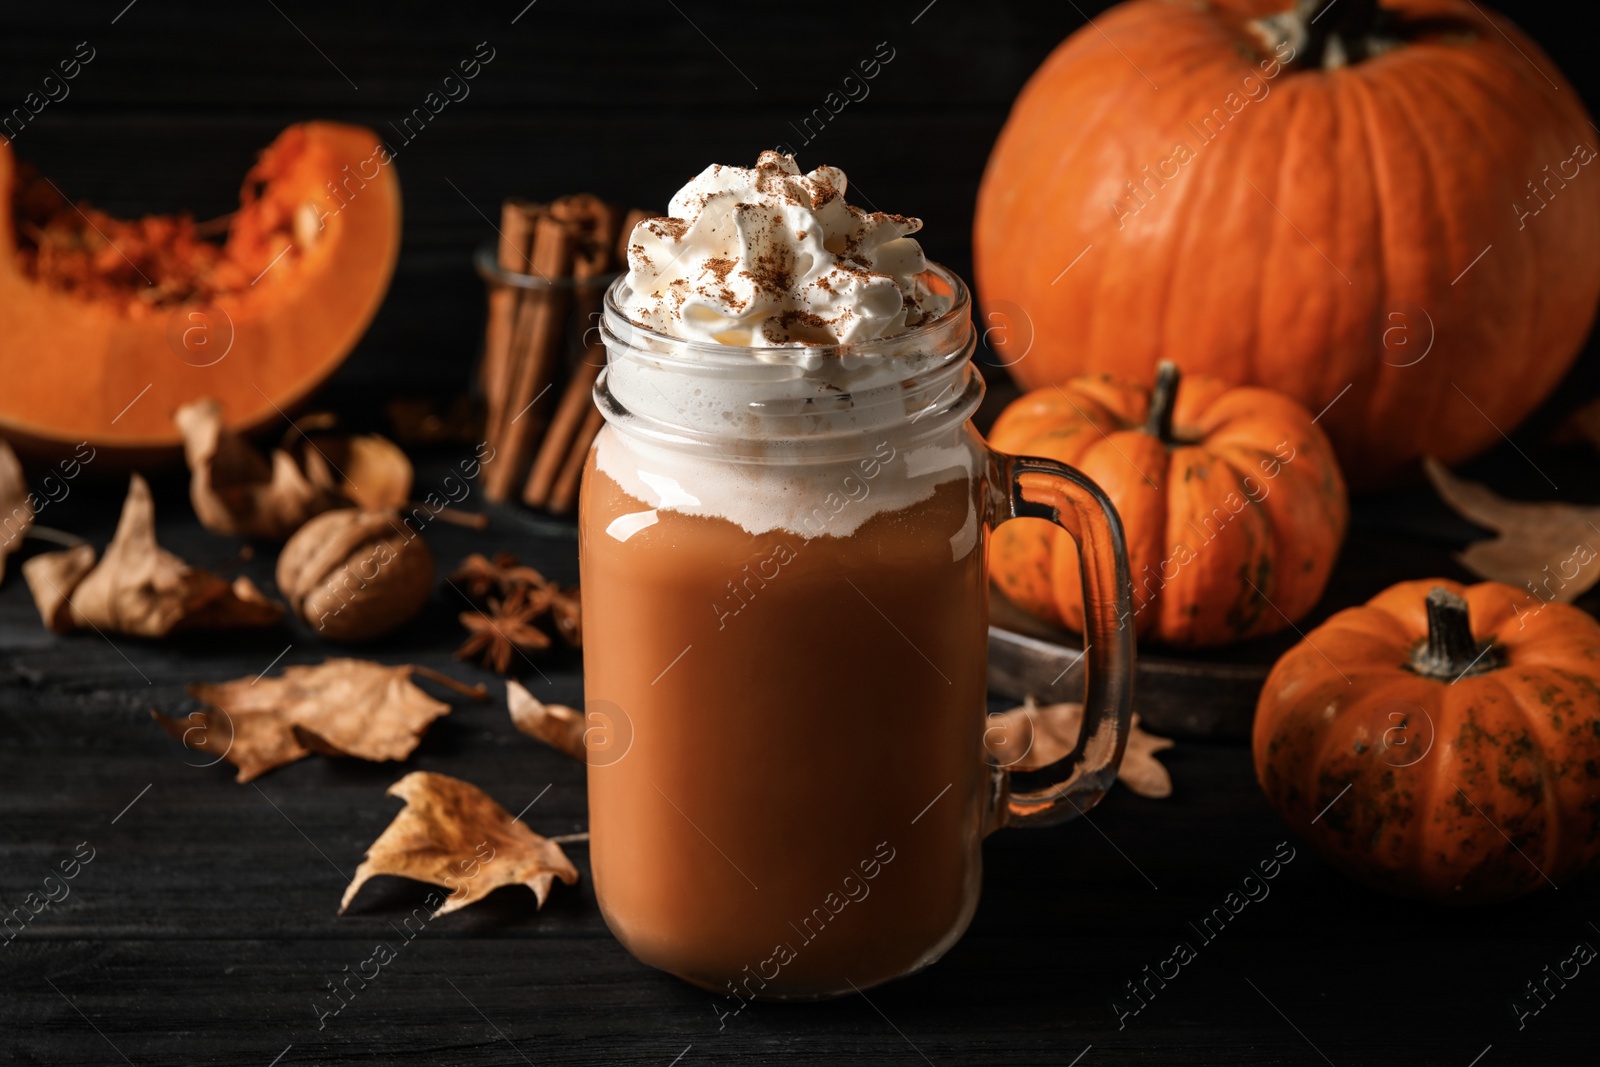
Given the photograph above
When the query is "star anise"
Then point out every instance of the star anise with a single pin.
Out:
(506, 628)
(522, 609)
(480, 576)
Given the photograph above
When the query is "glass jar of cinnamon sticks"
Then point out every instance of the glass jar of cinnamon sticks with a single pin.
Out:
(546, 276)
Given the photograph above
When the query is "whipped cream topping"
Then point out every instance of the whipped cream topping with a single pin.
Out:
(768, 257)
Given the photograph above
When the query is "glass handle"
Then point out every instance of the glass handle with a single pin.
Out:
(1045, 489)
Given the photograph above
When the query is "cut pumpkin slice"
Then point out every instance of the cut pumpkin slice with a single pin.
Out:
(107, 326)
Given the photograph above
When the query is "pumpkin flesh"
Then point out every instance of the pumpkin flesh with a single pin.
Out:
(107, 328)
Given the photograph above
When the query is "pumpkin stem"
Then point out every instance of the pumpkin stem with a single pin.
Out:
(1328, 34)
(1450, 650)
(1163, 397)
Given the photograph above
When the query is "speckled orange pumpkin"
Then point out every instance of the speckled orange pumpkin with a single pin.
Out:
(1441, 741)
(1231, 500)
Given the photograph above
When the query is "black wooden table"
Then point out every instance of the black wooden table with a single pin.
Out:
(203, 930)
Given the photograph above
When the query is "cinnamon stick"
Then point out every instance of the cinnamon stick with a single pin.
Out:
(565, 494)
(593, 223)
(535, 346)
(594, 226)
(514, 254)
(564, 427)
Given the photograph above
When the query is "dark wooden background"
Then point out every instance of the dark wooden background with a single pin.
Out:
(204, 930)
(627, 100)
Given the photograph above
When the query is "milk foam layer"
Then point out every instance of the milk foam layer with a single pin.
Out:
(809, 438)
(829, 500)
(769, 256)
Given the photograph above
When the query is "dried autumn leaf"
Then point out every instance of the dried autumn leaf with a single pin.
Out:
(16, 509)
(341, 707)
(253, 741)
(365, 469)
(451, 834)
(1536, 542)
(556, 725)
(138, 587)
(51, 577)
(237, 491)
(1035, 736)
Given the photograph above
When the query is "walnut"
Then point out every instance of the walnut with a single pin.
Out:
(355, 575)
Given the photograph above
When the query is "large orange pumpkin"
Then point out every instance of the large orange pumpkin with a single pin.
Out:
(1390, 211)
(1231, 501)
(1441, 741)
(108, 327)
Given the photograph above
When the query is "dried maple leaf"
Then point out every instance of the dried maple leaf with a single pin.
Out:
(253, 741)
(506, 628)
(557, 725)
(238, 491)
(341, 707)
(1035, 736)
(451, 834)
(138, 587)
(1545, 543)
(16, 505)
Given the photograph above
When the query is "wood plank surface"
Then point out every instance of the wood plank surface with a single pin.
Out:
(204, 929)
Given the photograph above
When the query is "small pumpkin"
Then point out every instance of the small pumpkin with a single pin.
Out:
(1306, 196)
(1231, 501)
(1440, 741)
(108, 327)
